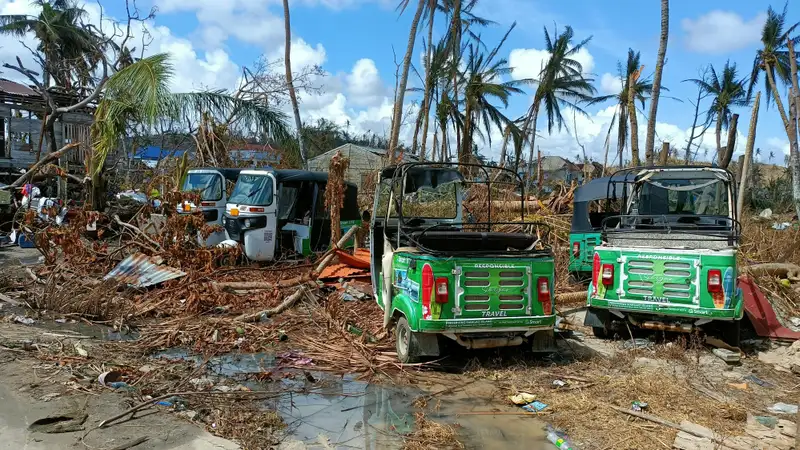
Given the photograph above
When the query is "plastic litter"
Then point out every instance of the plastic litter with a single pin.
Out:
(641, 343)
(558, 439)
(639, 406)
(767, 421)
(535, 406)
(24, 320)
(110, 376)
(559, 383)
(781, 226)
(522, 398)
(759, 381)
(782, 408)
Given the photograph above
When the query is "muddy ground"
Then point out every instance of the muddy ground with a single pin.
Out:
(286, 398)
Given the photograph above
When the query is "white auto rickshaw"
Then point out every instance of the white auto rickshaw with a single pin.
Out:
(278, 212)
(211, 185)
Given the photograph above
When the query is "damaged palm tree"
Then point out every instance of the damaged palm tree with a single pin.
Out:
(334, 193)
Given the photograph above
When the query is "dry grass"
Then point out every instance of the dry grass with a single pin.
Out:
(429, 434)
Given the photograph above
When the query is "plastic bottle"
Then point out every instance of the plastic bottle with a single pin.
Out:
(557, 440)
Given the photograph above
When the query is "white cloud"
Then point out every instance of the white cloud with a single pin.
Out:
(302, 54)
(528, 62)
(364, 84)
(722, 31)
(610, 84)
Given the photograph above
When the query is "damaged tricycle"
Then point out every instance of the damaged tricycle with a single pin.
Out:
(443, 271)
(668, 262)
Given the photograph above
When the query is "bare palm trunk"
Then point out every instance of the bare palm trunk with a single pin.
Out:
(466, 140)
(530, 122)
(622, 134)
(397, 117)
(662, 53)
(287, 24)
(417, 126)
(792, 129)
(727, 153)
(455, 36)
(433, 148)
(748, 157)
(777, 96)
(634, 120)
(718, 131)
(426, 101)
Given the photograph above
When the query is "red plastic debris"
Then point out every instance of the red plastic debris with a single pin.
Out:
(760, 312)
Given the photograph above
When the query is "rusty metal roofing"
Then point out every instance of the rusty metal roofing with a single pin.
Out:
(141, 271)
(12, 87)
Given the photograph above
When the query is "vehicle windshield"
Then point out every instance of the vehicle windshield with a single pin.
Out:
(209, 185)
(253, 190)
(440, 202)
(681, 197)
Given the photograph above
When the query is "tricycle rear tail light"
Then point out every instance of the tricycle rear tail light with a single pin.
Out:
(608, 274)
(543, 291)
(186, 207)
(576, 249)
(442, 292)
(714, 281)
(427, 290)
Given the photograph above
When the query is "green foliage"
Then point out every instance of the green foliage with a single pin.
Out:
(139, 93)
(727, 92)
(774, 54)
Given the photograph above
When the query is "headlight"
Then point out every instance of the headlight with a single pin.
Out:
(247, 223)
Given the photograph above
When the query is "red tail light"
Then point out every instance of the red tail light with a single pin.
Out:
(595, 272)
(576, 249)
(714, 281)
(442, 294)
(543, 289)
(608, 274)
(427, 290)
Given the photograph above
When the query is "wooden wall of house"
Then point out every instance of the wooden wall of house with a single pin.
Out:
(21, 135)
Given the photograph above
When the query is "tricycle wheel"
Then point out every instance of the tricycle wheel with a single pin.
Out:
(601, 332)
(406, 345)
(731, 333)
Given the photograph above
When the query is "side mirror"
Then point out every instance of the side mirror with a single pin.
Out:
(366, 216)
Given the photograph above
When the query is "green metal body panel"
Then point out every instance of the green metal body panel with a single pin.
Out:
(485, 294)
(583, 261)
(668, 283)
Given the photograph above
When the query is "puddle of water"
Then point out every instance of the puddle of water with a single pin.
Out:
(347, 413)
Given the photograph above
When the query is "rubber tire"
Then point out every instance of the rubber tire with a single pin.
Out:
(401, 331)
(601, 332)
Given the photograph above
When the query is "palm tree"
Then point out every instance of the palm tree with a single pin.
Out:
(483, 83)
(66, 45)
(561, 83)
(642, 88)
(140, 93)
(292, 94)
(662, 54)
(773, 58)
(397, 115)
(727, 92)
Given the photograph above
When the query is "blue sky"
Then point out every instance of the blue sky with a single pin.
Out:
(353, 41)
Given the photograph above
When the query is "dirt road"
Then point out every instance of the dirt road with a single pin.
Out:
(31, 390)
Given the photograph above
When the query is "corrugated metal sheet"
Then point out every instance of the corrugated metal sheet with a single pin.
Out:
(12, 87)
(141, 271)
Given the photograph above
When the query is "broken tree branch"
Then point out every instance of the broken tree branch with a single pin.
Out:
(44, 161)
(288, 303)
(327, 259)
(137, 231)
